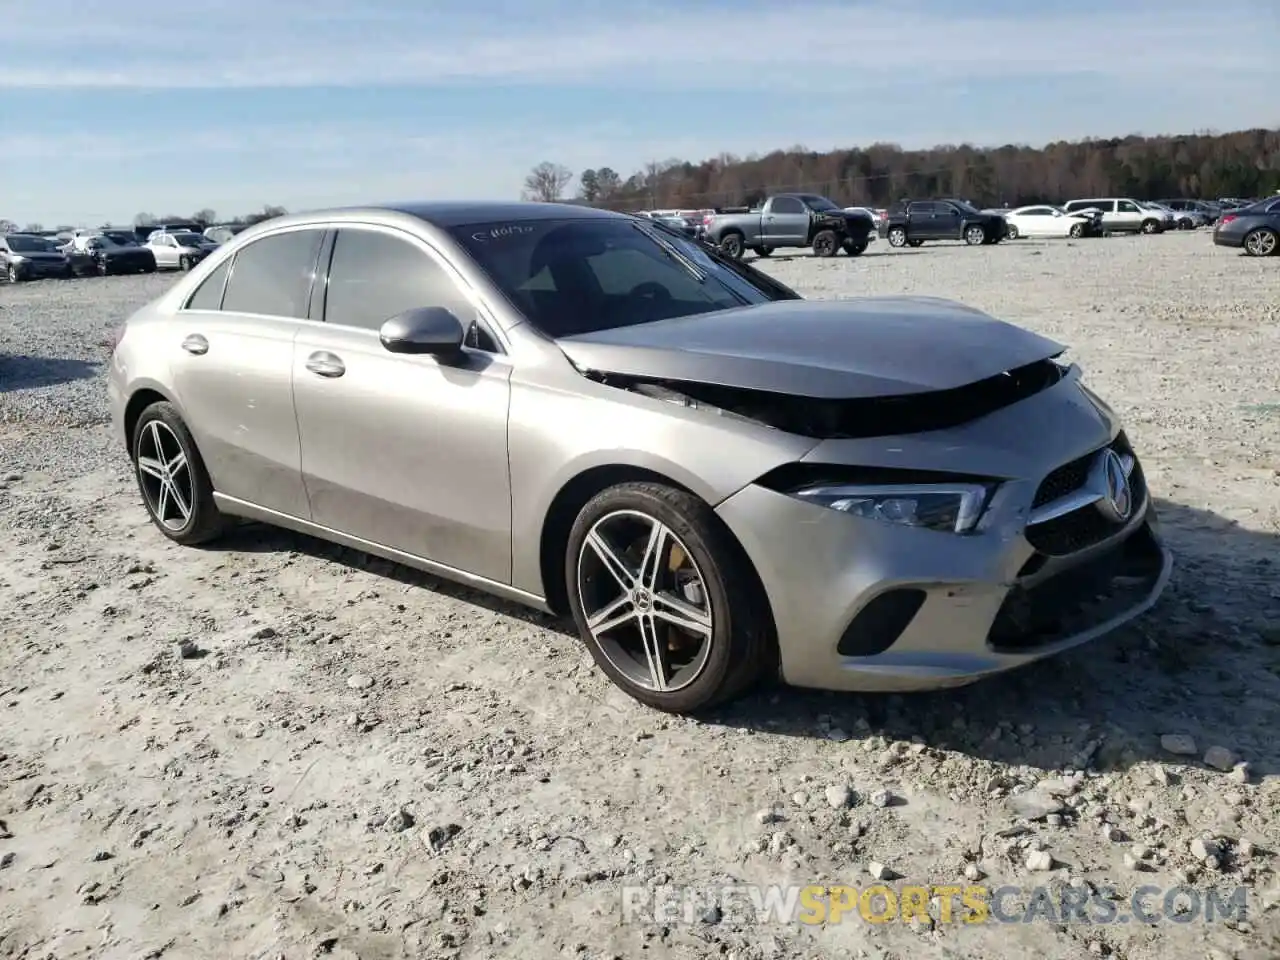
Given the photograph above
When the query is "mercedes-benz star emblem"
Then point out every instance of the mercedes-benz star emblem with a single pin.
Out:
(1117, 496)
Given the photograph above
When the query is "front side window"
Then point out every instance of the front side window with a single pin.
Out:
(786, 205)
(580, 276)
(273, 276)
(375, 276)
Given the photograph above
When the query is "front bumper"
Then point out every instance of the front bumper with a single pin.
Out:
(42, 269)
(917, 609)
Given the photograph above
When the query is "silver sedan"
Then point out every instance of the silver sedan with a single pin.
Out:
(597, 416)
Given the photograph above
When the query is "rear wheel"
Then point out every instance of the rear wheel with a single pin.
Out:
(664, 599)
(1011, 232)
(731, 245)
(171, 476)
(1261, 243)
(897, 237)
(825, 243)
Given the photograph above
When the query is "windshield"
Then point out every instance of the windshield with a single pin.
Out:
(20, 244)
(189, 239)
(580, 276)
(100, 240)
(121, 239)
(814, 202)
(966, 207)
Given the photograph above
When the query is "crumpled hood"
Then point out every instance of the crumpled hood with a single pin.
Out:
(873, 347)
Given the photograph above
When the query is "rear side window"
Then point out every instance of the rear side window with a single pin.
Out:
(375, 276)
(273, 276)
(208, 295)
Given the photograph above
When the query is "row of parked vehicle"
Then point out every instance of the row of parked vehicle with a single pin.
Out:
(802, 220)
(106, 251)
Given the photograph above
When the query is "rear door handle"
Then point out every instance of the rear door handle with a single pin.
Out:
(325, 364)
(196, 344)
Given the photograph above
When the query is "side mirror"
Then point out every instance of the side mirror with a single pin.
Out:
(429, 330)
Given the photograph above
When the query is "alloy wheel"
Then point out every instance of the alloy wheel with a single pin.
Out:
(974, 236)
(897, 237)
(645, 601)
(165, 476)
(1260, 243)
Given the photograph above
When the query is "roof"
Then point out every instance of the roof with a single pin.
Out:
(456, 213)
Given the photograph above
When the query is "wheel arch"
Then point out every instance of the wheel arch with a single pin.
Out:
(141, 398)
(576, 493)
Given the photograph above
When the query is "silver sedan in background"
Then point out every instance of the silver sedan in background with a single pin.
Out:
(597, 416)
(179, 251)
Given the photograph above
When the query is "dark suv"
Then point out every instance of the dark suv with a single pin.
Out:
(912, 222)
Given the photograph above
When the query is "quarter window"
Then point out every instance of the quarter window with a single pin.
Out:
(208, 295)
(375, 276)
(272, 276)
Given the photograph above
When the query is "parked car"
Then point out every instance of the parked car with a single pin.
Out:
(1167, 216)
(1195, 213)
(860, 495)
(912, 222)
(28, 256)
(179, 251)
(1047, 221)
(1121, 215)
(147, 231)
(1255, 229)
(98, 254)
(791, 220)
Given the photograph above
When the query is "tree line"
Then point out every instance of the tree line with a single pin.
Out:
(1244, 163)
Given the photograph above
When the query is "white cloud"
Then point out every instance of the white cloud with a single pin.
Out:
(824, 46)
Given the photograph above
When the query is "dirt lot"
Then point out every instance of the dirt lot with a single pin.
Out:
(358, 761)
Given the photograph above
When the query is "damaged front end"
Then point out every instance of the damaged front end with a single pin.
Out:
(849, 419)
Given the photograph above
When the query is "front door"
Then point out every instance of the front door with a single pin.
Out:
(408, 452)
(232, 360)
(784, 222)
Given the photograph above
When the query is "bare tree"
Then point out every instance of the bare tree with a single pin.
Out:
(144, 219)
(7, 226)
(546, 182)
(33, 228)
(205, 216)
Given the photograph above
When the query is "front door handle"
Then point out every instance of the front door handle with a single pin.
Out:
(325, 364)
(196, 344)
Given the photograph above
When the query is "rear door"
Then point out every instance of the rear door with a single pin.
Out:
(922, 220)
(784, 222)
(232, 359)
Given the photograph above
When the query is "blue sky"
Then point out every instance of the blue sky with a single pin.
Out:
(109, 108)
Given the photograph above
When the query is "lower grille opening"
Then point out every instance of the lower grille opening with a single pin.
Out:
(1079, 598)
(878, 625)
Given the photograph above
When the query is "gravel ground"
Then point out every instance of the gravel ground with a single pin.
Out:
(278, 748)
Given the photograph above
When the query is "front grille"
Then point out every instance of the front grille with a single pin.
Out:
(1079, 598)
(1083, 528)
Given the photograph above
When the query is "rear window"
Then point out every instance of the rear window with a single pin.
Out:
(579, 276)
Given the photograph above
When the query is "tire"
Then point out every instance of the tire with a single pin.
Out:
(763, 251)
(1261, 242)
(731, 245)
(826, 243)
(975, 235)
(104, 268)
(1011, 232)
(149, 268)
(856, 248)
(1076, 231)
(736, 649)
(897, 236)
(1186, 225)
(1151, 226)
(202, 522)
(12, 274)
(184, 263)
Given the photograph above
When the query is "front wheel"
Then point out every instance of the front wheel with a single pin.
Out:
(1077, 231)
(1150, 227)
(825, 243)
(184, 263)
(664, 599)
(897, 237)
(1261, 243)
(974, 235)
(172, 478)
(12, 274)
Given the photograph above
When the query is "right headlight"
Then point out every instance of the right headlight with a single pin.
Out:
(948, 507)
